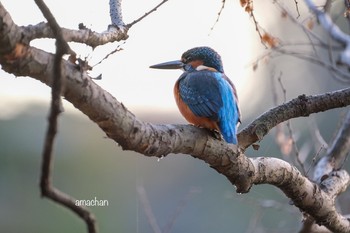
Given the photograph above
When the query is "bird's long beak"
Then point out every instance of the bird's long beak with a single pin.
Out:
(169, 65)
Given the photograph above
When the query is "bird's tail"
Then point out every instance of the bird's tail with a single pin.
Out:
(229, 132)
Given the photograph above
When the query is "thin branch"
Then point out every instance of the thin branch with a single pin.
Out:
(47, 188)
(341, 146)
(337, 152)
(84, 36)
(129, 25)
(115, 12)
(333, 30)
(109, 54)
(169, 226)
(342, 76)
(314, 159)
(219, 14)
(290, 131)
(301, 106)
(296, 149)
(297, 8)
(148, 209)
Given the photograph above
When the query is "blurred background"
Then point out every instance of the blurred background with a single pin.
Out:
(183, 193)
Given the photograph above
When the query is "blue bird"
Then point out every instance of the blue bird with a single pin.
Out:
(205, 96)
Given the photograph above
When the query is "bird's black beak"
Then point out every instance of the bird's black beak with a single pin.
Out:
(169, 65)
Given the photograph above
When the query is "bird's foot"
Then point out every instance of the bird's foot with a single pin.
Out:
(216, 134)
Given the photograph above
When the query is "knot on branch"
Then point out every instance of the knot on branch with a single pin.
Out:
(302, 104)
(237, 167)
(260, 130)
(335, 183)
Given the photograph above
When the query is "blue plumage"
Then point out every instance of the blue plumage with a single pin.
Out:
(204, 94)
(201, 92)
(209, 95)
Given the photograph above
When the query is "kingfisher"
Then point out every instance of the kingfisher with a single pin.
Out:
(205, 96)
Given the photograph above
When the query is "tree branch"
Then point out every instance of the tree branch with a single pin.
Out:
(115, 11)
(302, 106)
(157, 140)
(336, 153)
(84, 36)
(146, 14)
(47, 188)
(333, 30)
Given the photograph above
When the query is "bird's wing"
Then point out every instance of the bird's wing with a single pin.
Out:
(200, 91)
(235, 96)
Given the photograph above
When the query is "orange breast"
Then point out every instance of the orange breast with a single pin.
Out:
(188, 114)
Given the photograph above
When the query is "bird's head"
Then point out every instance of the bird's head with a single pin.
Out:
(193, 58)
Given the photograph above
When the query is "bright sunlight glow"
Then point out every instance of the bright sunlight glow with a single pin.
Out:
(164, 35)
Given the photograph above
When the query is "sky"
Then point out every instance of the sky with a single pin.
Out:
(162, 36)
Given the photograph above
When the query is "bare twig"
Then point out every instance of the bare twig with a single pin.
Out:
(47, 188)
(281, 139)
(333, 30)
(219, 14)
(297, 8)
(340, 75)
(169, 226)
(148, 209)
(257, 28)
(129, 25)
(289, 127)
(109, 54)
(296, 149)
(314, 159)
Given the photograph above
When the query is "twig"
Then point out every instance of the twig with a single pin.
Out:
(290, 131)
(129, 25)
(314, 159)
(219, 14)
(333, 30)
(296, 149)
(169, 226)
(339, 74)
(109, 54)
(148, 209)
(297, 8)
(257, 28)
(47, 188)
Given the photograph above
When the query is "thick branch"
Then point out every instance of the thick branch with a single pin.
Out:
(317, 201)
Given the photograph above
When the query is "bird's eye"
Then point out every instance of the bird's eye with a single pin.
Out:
(187, 59)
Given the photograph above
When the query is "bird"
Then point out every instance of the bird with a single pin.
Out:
(205, 96)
